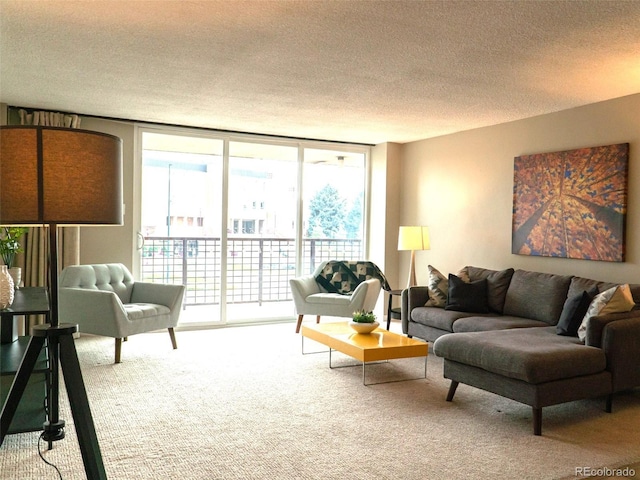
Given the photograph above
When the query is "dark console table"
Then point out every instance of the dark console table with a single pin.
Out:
(30, 414)
(26, 301)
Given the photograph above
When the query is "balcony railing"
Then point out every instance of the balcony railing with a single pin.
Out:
(258, 269)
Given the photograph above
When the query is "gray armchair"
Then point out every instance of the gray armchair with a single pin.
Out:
(337, 289)
(104, 299)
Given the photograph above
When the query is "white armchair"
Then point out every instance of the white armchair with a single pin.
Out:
(310, 298)
(104, 299)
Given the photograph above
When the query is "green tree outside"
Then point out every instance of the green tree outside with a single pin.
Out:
(326, 213)
(353, 221)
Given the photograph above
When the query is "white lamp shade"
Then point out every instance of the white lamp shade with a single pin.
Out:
(413, 238)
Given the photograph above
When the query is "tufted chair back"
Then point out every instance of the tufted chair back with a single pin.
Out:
(112, 277)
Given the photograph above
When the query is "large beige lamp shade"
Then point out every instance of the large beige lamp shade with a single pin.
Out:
(59, 176)
(413, 238)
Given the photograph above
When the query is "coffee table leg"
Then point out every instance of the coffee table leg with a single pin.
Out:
(309, 353)
(364, 367)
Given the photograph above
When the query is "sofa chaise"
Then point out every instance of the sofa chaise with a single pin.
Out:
(536, 338)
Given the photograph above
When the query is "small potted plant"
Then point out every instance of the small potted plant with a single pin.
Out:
(364, 322)
(9, 246)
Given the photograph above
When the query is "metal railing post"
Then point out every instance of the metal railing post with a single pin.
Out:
(312, 255)
(185, 254)
(260, 269)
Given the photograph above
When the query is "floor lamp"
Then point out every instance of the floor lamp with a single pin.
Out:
(413, 238)
(48, 177)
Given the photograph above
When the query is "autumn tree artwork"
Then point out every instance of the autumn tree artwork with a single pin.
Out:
(571, 204)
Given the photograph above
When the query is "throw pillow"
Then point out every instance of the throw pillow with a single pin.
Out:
(621, 301)
(438, 288)
(596, 306)
(467, 297)
(573, 312)
(464, 274)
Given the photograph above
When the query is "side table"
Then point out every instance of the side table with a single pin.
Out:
(31, 413)
(395, 313)
(26, 301)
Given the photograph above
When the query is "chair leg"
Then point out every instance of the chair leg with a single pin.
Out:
(172, 334)
(118, 349)
(300, 322)
(452, 390)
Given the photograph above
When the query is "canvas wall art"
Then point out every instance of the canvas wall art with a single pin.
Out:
(571, 204)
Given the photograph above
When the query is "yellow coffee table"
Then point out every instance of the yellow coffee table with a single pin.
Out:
(376, 346)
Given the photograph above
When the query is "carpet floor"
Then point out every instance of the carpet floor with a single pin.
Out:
(244, 403)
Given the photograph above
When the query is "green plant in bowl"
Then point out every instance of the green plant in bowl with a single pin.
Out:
(363, 317)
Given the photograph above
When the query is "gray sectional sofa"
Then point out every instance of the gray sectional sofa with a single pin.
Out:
(517, 344)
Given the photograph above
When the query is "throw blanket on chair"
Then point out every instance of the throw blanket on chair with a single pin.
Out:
(344, 276)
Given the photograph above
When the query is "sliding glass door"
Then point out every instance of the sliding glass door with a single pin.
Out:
(234, 218)
(181, 215)
(261, 230)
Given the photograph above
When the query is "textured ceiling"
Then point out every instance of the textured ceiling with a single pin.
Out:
(347, 70)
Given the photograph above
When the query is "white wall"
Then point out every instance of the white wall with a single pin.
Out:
(114, 244)
(385, 205)
(461, 185)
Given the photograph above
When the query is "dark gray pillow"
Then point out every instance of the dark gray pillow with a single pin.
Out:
(573, 312)
(467, 297)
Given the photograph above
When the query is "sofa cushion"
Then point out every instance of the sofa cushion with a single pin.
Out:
(535, 295)
(437, 317)
(573, 312)
(493, 322)
(139, 311)
(497, 284)
(533, 355)
(467, 297)
(329, 299)
(580, 284)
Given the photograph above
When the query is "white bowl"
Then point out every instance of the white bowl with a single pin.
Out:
(364, 327)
